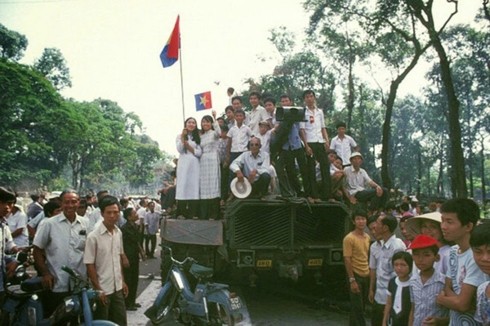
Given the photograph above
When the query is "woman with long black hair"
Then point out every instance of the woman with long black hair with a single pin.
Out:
(187, 190)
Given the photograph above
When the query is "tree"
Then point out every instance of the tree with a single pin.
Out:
(12, 44)
(52, 65)
(29, 106)
(424, 13)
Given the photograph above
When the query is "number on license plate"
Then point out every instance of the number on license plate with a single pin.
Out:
(235, 303)
(264, 263)
(315, 262)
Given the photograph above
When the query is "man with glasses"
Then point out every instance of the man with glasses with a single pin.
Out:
(254, 165)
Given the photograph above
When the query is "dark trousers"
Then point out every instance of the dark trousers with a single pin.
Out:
(131, 276)
(358, 301)
(261, 185)
(320, 155)
(377, 314)
(150, 244)
(115, 310)
(209, 208)
(225, 185)
(188, 208)
(287, 175)
(370, 195)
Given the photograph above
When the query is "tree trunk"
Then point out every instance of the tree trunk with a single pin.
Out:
(470, 176)
(419, 168)
(482, 172)
(350, 101)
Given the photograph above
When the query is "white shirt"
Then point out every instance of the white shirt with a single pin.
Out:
(94, 218)
(104, 249)
(63, 243)
(343, 147)
(247, 162)
(265, 141)
(239, 138)
(19, 221)
(255, 116)
(384, 270)
(315, 122)
(356, 181)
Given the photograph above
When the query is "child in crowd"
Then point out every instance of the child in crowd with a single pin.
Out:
(480, 244)
(430, 224)
(265, 136)
(398, 303)
(426, 284)
(459, 217)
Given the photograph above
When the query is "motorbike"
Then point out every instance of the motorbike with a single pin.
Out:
(204, 303)
(23, 306)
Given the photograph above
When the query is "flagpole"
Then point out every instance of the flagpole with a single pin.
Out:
(182, 83)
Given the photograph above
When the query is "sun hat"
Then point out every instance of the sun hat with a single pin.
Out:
(413, 223)
(241, 189)
(354, 154)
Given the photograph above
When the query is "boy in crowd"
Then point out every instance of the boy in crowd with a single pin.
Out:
(343, 144)
(459, 217)
(356, 248)
(426, 283)
(480, 245)
(384, 228)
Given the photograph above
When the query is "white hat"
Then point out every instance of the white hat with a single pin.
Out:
(413, 223)
(354, 154)
(241, 189)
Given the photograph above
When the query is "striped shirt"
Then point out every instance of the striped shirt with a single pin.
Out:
(424, 297)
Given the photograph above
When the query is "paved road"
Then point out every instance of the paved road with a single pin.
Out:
(267, 307)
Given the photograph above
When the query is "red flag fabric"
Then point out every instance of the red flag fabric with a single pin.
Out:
(170, 52)
(203, 101)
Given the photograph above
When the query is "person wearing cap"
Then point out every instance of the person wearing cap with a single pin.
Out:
(255, 166)
(430, 224)
(480, 245)
(426, 283)
(343, 144)
(265, 135)
(356, 182)
(8, 265)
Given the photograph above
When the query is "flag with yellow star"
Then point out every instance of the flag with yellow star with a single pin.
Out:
(203, 101)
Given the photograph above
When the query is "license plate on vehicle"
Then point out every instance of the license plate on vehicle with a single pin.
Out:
(264, 263)
(235, 303)
(315, 262)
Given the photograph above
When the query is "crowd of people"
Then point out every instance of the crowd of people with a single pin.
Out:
(101, 239)
(427, 269)
(287, 158)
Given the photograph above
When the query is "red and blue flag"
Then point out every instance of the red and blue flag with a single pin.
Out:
(203, 101)
(170, 52)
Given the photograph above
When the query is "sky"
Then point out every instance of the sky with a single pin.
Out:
(112, 49)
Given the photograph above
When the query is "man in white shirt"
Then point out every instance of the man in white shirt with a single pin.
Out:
(315, 137)
(257, 114)
(104, 255)
(255, 166)
(343, 144)
(17, 223)
(60, 241)
(356, 182)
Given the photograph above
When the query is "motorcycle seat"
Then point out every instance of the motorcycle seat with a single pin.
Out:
(32, 285)
(200, 271)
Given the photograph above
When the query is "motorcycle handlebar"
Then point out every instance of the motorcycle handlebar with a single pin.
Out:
(175, 261)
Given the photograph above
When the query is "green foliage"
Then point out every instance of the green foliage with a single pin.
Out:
(12, 44)
(52, 65)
